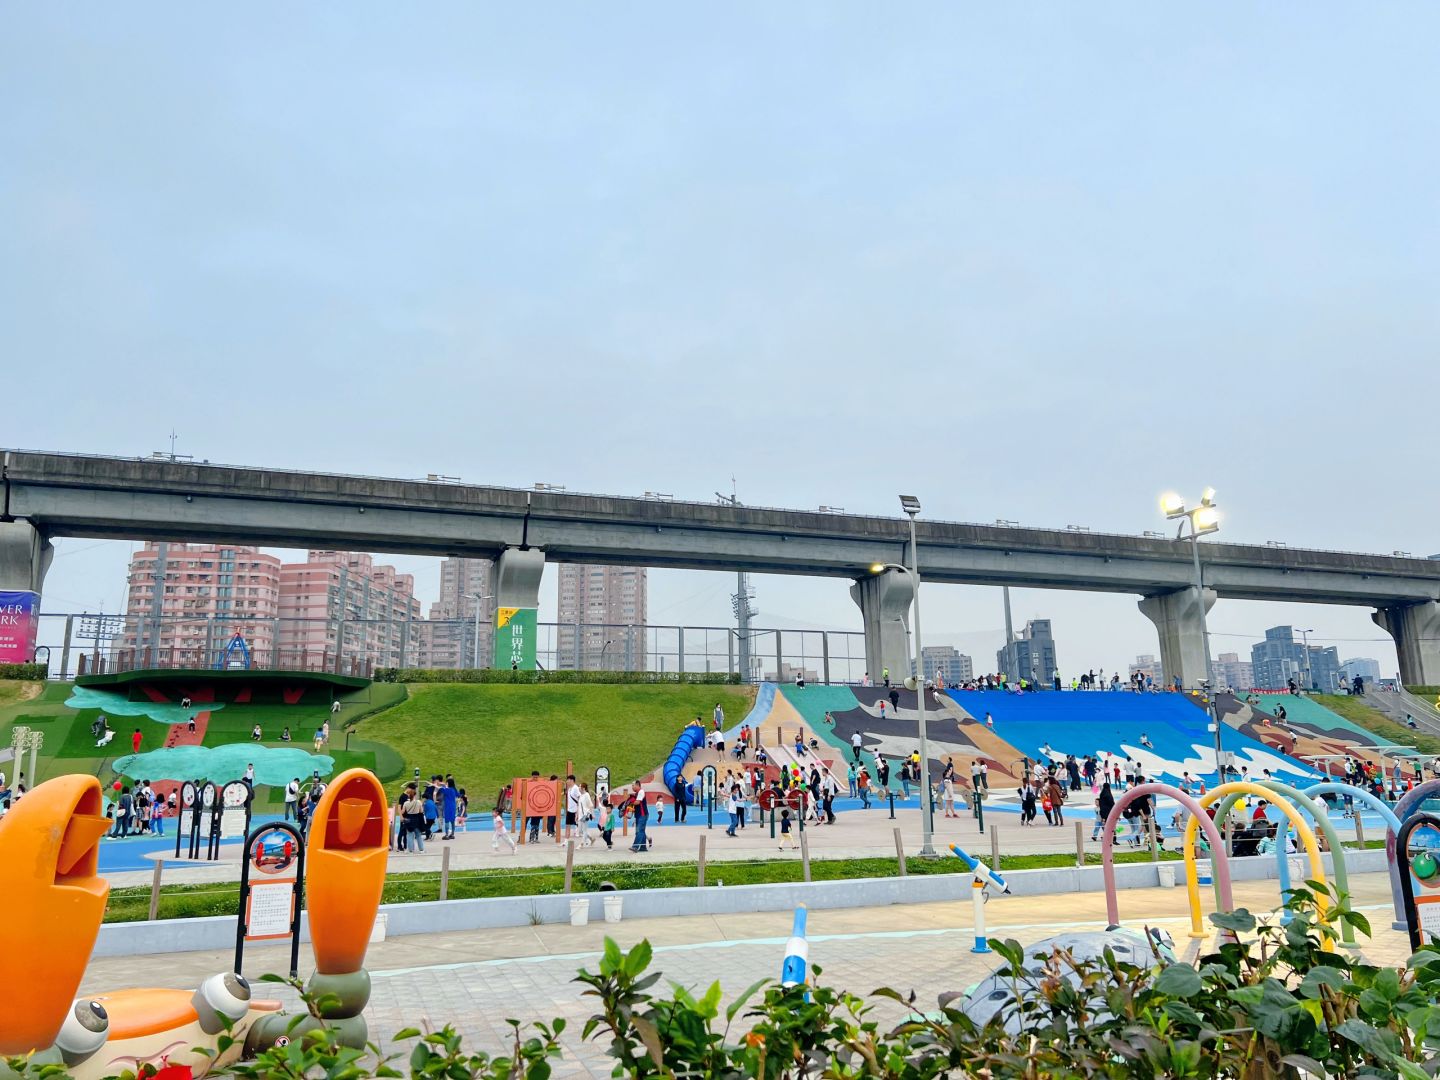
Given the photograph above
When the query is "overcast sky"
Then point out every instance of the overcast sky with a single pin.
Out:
(1036, 262)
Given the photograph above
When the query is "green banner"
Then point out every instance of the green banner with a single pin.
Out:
(515, 638)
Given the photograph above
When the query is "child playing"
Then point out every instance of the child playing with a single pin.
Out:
(500, 833)
(787, 839)
(607, 826)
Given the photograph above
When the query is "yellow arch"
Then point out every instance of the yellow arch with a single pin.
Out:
(1297, 822)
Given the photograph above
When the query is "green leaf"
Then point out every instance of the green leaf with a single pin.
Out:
(1181, 1013)
(406, 1033)
(638, 959)
(1377, 1041)
(739, 1002)
(1240, 920)
(1315, 978)
(1179, 981)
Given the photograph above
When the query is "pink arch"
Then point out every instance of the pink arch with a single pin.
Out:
(1218, 859)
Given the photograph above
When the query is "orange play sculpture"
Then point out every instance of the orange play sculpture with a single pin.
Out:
(346, 854)
(54, 903)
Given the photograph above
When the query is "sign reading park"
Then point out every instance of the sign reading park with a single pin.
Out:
(19, 621)
(515, 633)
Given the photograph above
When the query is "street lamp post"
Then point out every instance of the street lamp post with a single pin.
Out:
(1203, 519)
(1309, 676)
(911, 506)
(479, 602)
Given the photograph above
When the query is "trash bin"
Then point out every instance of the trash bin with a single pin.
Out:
(613, 905)
(579, 912)
(1166, 874)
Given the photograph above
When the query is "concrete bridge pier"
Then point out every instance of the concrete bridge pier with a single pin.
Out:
(517, 577)
(24, 557)
(1416, 630)
(884, 601)
(1179, 619)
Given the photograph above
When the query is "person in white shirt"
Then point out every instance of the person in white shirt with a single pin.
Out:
(498, 832)
(587, 815)
(292, 796)
(857, 743)
(572, 807)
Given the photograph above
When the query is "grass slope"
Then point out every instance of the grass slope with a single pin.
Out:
(487, 734)
(13, 690)
(1357, 712)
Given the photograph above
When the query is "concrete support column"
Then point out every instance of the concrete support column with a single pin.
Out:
(1180, 622)
(517, 577)
(1416, 630)
(884, 600)
(517, 597)
(24, 557)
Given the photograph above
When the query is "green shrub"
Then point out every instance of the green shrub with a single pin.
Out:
(1272, 1002)
(500, 675)
(29, 672)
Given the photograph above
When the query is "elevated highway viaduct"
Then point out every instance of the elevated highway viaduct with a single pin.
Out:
(48, 495)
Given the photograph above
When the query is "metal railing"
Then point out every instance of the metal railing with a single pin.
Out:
(86, 643)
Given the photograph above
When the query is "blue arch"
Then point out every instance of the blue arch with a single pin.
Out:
(1392, 829)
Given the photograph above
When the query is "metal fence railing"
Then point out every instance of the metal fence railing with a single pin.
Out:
(84, 643)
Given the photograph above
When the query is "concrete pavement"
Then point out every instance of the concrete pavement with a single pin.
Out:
(476, 980)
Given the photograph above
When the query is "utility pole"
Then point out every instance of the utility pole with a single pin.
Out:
(740, 602)
(1009, 638)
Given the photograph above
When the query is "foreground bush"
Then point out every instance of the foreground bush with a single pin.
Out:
(26, 672)
(1273, 1004)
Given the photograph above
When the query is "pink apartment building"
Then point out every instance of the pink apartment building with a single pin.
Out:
(186, 602)
(339, 611)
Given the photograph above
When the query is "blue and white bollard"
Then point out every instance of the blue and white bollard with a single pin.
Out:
(982, 877)
(795, 969)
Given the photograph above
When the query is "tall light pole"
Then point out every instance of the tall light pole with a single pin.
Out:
(911, 506)
(479, 603)
(1203, 519)
(1309, 677)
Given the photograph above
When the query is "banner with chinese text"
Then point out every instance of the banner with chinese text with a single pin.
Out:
(515, 633)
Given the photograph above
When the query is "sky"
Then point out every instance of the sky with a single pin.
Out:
(1031, 262)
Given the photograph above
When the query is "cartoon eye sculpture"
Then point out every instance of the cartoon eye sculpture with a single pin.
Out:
(84, 1031)
(221, 999)
(283, 1040)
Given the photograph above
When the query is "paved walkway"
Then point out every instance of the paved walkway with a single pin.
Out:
(476, 980)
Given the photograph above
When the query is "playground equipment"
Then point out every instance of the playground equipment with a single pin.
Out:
(690, 740)
(235, 645)
(982, 876)
(1392, 830)
(1245, 787)
(1219, 860)
(1316, 810)
(55, 900)
(795, 969)
(1412, 802)
(1421, 914)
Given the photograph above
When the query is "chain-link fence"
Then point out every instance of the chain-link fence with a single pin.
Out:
(85, 643)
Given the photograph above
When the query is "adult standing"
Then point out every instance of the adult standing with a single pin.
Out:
(292, 794)
(449, 806)
(857, 743)
(1104, 803)
(640, 807)
(572, 806)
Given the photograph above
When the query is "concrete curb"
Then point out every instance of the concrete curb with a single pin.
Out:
(218, 932)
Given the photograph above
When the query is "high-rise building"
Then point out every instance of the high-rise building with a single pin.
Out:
(1280, 658)
(1364, 666)
(339, 607)
(1232, 672)
(449, 641)
(602, 614)
(1031, 655)
(186, 603)
(947, 663)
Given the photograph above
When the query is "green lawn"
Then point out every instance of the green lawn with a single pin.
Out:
(1357, 712)
(13, 690)
(489, 733)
